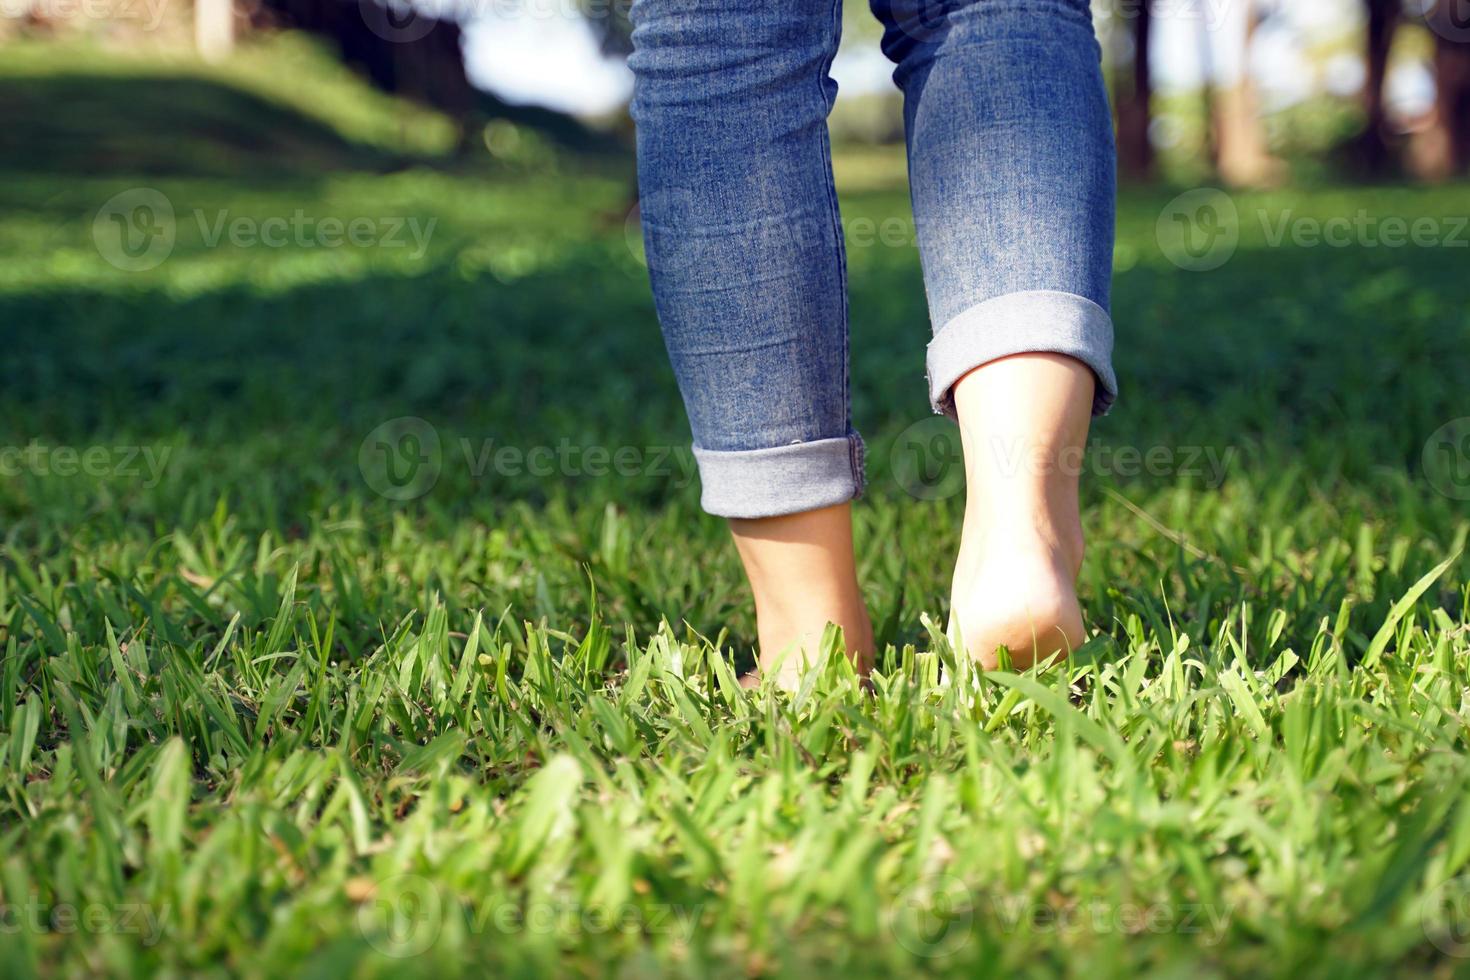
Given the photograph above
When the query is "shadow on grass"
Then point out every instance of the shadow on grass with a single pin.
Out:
(98, 125)
(1332, 356)
(1328, 366)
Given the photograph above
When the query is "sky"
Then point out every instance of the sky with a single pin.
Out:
(542, 52)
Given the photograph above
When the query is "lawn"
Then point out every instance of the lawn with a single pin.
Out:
(357, 613)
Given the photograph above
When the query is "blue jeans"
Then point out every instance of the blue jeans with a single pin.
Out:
(1011, 170)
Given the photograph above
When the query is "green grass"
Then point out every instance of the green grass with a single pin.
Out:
(257, 717)
(281, 106)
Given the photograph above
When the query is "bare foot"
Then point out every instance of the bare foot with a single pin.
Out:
(1023, 424)
(803, 575)
(1015, 588)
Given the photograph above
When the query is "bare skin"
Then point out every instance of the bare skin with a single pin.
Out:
(804, 576)
(1023, 424)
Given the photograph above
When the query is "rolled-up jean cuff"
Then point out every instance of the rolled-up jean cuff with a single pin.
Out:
(1035, 321)
(783, 479)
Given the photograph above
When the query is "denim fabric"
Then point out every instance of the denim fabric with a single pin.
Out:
(1011, 168)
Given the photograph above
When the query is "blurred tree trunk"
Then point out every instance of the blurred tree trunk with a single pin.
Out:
(1374, 153)
(403, 50)
(1209, 146)
(417, 53)
(1445, 146)
(1135, 151)
(1243, 159)
(214, 28)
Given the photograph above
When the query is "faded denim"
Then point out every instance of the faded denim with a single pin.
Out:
(1011, 167)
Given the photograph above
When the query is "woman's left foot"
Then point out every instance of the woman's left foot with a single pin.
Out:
(803, 577)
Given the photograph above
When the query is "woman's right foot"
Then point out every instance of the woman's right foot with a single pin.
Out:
(1015, 588)
(1023, 425)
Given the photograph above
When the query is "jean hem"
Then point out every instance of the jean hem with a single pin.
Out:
(1033, 321)
(781, 480)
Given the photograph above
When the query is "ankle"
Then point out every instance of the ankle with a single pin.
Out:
(788, 625)
(1024, 529)
(803, 576)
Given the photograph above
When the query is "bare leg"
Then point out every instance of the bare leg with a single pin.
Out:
(1023, 424)
(803, 574)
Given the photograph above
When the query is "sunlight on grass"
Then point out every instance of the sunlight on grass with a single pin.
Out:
(357, 614)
